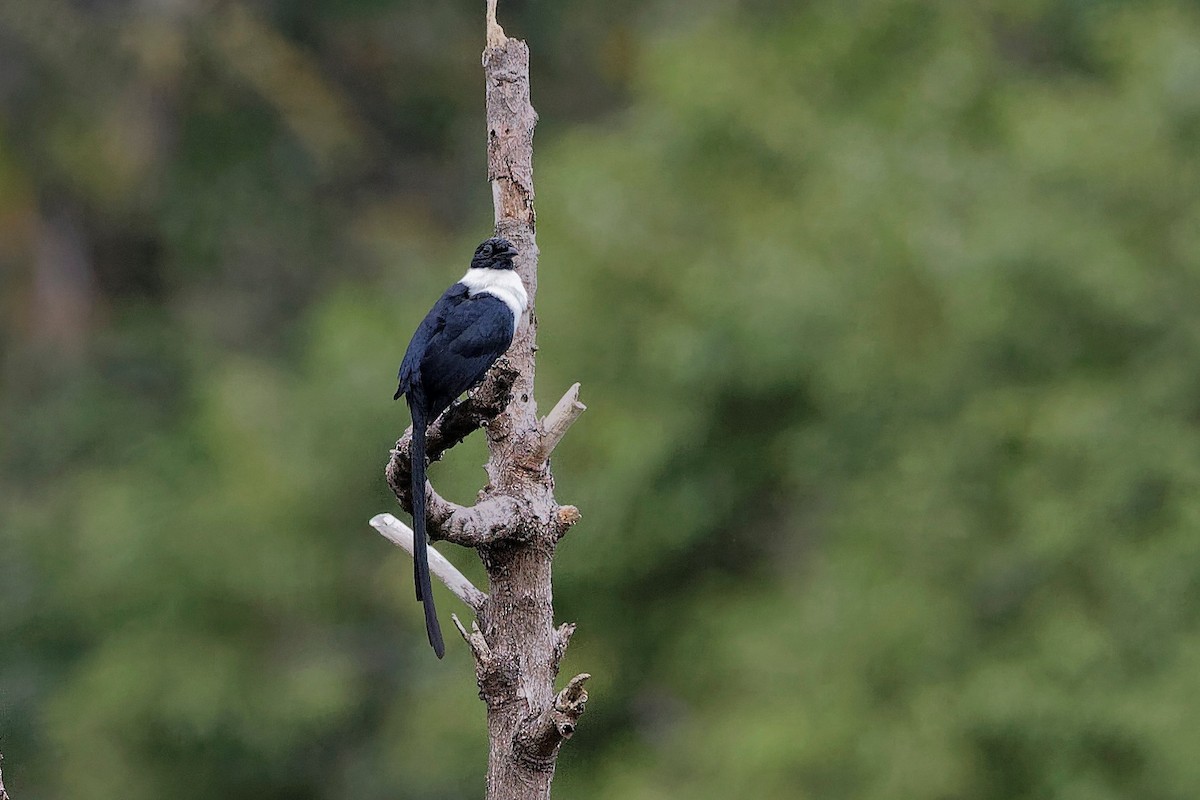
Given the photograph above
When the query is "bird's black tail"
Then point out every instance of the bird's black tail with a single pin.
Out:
(420, 542)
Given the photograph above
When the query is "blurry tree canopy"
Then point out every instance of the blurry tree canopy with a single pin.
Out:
(887, 316)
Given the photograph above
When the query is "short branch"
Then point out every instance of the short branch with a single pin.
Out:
(450, 522)
(484, 523)
(474, 639)
(569, 705)
(401, 535)
(497, 674)
(564, 519)
(555, 425)
(3, 794)
(562, 638)
(541, 736)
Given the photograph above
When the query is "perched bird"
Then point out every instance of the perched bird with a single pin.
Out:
(460, 338)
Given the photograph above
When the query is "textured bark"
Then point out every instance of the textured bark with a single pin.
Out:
(516, 524)
(3, 794)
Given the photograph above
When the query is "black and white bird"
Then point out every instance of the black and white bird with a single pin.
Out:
(464, 333)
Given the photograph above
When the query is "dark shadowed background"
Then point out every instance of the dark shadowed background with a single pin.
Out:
(886, 313)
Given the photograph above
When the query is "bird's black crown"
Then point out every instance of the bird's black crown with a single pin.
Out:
(494, 253)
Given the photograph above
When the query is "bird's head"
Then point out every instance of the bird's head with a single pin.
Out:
(494, 253)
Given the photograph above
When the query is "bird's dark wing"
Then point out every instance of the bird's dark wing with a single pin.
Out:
(474, 333)
(434, 323)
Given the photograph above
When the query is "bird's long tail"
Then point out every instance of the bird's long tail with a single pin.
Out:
(420, 541)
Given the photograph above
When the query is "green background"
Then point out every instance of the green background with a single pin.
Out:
(886, 313)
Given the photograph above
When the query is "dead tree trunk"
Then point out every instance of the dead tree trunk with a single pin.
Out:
(516, 524)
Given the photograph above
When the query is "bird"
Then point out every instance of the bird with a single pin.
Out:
(466, 331)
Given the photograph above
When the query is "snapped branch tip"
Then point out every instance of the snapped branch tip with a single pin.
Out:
(555, 425)
(495, 34)
(474, 639)
(574, 688)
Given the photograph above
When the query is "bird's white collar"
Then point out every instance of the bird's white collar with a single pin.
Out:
(504, 284)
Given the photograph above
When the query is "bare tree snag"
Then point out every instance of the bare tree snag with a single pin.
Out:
(516, 523)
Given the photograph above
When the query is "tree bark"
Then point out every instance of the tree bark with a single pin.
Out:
(516, 524)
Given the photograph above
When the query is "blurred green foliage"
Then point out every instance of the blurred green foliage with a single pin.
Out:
(885, 314)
